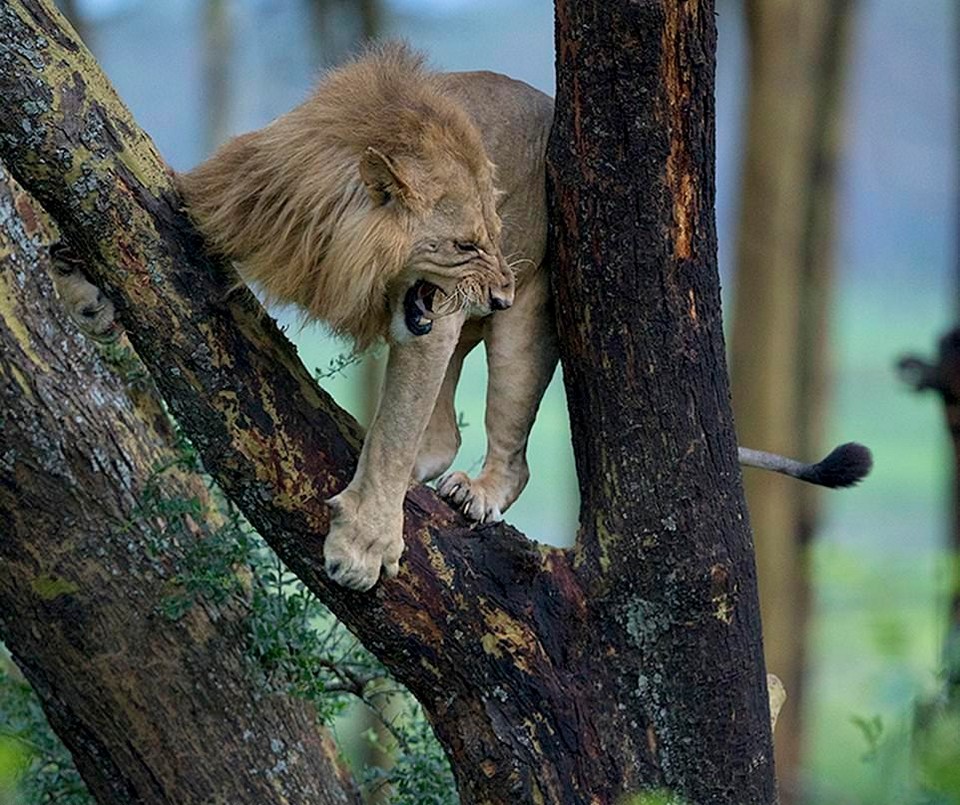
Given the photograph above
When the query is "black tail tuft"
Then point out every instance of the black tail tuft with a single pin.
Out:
(847, 465)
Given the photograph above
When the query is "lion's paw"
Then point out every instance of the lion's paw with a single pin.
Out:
(360, 543)
(477, 498)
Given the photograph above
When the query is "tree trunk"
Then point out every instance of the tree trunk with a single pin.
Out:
(630, 662)
(781, 320)
(663, 526)
(217, 52)
(154, 711)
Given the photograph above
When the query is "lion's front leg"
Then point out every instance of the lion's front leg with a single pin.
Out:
(521, 357)
(366, 529)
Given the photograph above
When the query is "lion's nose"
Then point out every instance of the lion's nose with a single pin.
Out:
(498, 302)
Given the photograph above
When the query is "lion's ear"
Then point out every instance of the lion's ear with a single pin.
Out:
(383, 178)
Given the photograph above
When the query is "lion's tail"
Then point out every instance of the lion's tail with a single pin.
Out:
(846, 465)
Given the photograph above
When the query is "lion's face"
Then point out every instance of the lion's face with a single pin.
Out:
(454, 262)
(86, 304)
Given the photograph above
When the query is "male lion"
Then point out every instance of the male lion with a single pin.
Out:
(375, 207)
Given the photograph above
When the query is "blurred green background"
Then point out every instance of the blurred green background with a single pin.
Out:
(196, 71)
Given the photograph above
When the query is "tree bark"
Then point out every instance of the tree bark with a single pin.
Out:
(630, 662)
(663, 525)
(154, 711)
(781, 320)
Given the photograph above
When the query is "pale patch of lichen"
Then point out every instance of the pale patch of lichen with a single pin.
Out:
(228, 405)
(60, 71)
(507, 635)
(49, 587)
(490, 645)
(419, 624)
(723, 610)
(21, 381)
(605, 541)
(278, 460)
(152, 173)
(431, 669)
(435, 557)
(536, 795)
(14, 324)
(219, 356)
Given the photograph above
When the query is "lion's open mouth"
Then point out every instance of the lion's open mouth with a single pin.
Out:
(418, 307)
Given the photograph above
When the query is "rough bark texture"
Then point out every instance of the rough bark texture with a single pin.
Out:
(664, 531)
(781, 318)
(550, 676)
(154, 711)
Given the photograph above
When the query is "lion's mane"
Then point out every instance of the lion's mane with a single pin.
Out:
(288, 204)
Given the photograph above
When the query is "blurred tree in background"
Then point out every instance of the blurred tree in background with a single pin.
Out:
(797, 51)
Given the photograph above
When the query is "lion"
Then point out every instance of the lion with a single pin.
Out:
(84, 302)
(409, 206)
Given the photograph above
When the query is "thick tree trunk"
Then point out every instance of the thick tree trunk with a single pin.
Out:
(154, 711)
(663, 524)
(556, 676)
(781, 322)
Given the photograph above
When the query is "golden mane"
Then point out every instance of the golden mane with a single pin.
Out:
(287, 202)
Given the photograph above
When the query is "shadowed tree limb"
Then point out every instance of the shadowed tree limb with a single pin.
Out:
(550, 676)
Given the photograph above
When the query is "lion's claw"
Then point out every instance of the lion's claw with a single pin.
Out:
(476, 498)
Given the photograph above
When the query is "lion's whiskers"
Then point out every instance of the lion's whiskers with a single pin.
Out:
(469, 291)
